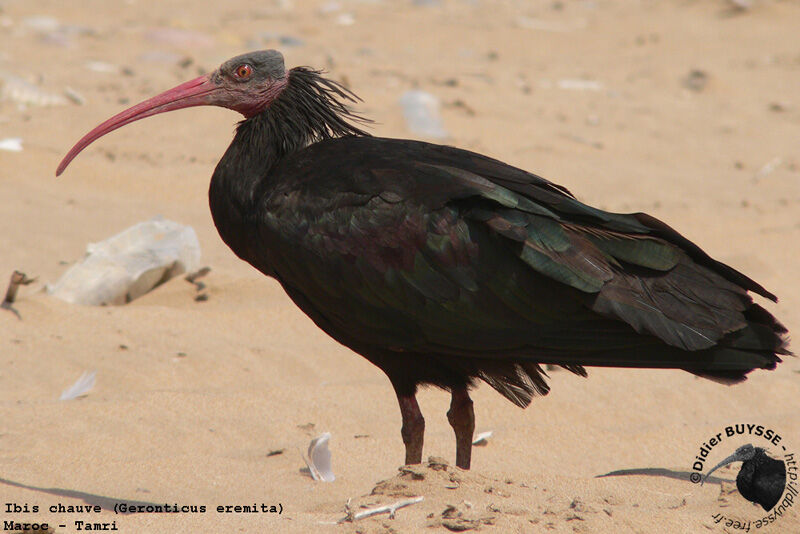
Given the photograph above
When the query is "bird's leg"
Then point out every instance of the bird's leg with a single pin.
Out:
(462, 419)
(413, 430)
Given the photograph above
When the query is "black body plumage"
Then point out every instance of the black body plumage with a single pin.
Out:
(442, 266)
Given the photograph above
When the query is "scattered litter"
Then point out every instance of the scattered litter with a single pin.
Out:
(482, 439)
(276, 452)
(580, 85)
(19, 91)
(79, 388)
(421, 111)
(768, 168)
(129, 264)
(11, 144)
(369, 512)
(319, 459)
(696, 80)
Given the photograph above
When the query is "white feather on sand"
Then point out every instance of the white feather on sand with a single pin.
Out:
(80, 388)
(319, 459)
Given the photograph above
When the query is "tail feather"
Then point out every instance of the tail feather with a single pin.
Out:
(758, 345)
(518, 382)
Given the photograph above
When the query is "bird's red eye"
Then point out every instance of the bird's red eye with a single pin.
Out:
(243, 71)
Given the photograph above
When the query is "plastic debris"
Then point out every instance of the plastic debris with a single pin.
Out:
(129, 264)
(11, 144)
(319, 459)
(421, 111)
(81, 387)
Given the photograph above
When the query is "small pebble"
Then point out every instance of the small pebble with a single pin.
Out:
(696, 80)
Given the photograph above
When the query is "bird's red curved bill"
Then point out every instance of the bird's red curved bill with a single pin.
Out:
(192, 93)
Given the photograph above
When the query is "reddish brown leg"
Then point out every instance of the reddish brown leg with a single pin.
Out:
(462, 419)
(413, 430)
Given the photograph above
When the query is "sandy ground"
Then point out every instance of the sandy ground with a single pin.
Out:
(191, 397)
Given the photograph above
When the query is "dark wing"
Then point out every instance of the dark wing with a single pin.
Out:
(427, 248)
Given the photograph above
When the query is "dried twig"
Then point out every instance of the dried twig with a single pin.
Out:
(17, 279)
(369, 512)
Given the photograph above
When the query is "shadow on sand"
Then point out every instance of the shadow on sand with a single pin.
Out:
(661, 472)
(106, 503)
